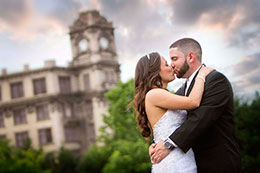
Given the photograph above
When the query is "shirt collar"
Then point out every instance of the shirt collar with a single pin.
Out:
(193, 74)
(188, 81)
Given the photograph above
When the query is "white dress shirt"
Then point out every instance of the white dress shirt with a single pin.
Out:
(190, 79)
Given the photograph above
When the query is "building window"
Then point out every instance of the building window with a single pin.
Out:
(83, 45)
(91, 132)
(0, 93)
(2, 123)
(45, 136)
(64, 82)
(103, 42)
(19, 116)
(17, 90)
(42, 112)
(21, 138)
(39, 86)
(89, 108)
(86, 82)
(2, 137)
(110, 77)
(71, 134)
(67, 109)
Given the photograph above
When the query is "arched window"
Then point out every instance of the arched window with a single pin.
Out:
(83, 45)
(104, 43)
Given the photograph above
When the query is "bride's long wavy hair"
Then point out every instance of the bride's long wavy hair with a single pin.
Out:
(146, 77)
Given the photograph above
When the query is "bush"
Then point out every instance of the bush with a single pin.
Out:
(67, 162)
(129, 157)
(20, 160)
(95, 159)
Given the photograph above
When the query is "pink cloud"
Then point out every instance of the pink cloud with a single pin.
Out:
(26, 24)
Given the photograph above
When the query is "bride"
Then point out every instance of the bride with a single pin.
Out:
(159, 110)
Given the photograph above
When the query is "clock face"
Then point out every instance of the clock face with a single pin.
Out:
(83, 45)
(104, 42)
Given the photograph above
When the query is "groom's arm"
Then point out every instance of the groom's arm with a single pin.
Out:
(216, 96)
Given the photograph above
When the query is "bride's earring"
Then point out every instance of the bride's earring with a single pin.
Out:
(159, 83)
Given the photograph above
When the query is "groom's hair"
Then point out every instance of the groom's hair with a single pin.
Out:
(187, 45)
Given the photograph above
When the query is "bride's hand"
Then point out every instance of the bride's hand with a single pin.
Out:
(204, 71)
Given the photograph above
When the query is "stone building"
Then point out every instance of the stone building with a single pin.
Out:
(63, 106)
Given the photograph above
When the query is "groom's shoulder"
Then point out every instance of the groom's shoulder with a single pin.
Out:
(216, 75)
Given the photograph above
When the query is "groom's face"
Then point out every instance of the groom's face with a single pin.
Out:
(179, 63)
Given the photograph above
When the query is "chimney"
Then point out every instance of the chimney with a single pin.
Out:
(26, 67)
(4, 71)
(49, 63)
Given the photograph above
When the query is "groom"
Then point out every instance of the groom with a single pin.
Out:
(209, 129)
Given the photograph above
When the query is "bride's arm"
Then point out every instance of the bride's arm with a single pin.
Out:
(164, 99)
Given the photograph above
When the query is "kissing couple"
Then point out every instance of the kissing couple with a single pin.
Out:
(192, 129)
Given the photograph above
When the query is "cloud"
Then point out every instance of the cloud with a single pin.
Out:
(190, 11)
(140, 27)
(65, 11)
(22, 21)
(247, 72)
(239, 20)
(15, 13)
(255, 78)
(145, 26)
(12, 10)
(137, 23)
(247, 64)
(238, 87)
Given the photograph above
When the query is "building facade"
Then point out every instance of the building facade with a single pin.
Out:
(63, 106)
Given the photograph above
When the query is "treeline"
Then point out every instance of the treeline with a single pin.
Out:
(247, 119)
(124, 150)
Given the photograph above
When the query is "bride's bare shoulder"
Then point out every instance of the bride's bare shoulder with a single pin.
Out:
(155, 93)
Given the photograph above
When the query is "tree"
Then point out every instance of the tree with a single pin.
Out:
(95, 159)
(247, 119)
(67, 162)
(20, 160)
(124, 150)
(49, 162)
(121, 116)
(129, 156)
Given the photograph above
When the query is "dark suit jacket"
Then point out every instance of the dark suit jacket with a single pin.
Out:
(209, 129)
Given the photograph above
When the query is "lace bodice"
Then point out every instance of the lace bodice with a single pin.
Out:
(177, 161)
(168, 123)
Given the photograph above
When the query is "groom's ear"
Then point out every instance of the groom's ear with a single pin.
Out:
(191, 57)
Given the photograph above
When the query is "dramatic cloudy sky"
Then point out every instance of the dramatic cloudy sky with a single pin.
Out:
(32, 31)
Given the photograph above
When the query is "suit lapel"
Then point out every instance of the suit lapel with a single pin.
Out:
(192, 83)
(181, 90)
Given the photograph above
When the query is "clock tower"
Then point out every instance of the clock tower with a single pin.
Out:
(94, 64)
(92, 39)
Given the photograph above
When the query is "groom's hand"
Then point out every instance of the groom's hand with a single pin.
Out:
(151, 151)
(158, 152)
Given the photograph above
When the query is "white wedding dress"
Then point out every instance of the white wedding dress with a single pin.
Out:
(177, 161)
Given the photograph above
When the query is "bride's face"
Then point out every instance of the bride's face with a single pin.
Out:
(166, 71)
